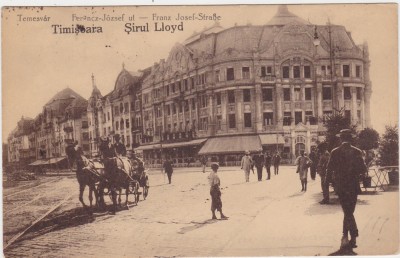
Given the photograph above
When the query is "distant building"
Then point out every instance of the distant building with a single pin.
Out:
(19, 149)
(5, 155)
(118, 112)
(44, 138)
(253, 87)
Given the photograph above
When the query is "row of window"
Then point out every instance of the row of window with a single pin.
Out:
(346, 71)
(268, 118)
(267, 95)
(122, 108)
(297, 73)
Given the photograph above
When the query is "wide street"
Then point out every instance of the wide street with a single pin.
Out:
(268, 218)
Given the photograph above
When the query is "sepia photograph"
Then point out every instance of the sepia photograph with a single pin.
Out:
(200, 130)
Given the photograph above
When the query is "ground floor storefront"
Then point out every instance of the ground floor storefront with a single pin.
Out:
(228, 150)
(52, 164)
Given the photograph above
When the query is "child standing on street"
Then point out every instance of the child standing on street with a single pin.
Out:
(215, 192)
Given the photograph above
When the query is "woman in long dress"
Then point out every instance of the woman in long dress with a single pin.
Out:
(303, 163)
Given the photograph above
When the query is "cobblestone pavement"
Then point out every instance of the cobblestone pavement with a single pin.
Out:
(265, 218)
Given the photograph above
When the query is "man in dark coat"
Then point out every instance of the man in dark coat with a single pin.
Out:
(346, 165)
(203, 162)
(168, 168)
(313, 168)
(321, 169)
(119, 147)
(259, 164)
(277, 162)
(268, 162)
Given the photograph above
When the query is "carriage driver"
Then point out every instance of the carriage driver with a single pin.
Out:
(119, 147)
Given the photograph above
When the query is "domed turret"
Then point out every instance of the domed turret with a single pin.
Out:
(283, 17)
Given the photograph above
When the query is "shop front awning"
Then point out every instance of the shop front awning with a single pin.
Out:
(38, 162)
(55, 160)
(231, 144)
(148, 147)
(268, 139)
(181, 144)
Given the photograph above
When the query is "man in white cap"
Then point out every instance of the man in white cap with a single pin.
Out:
(346, 164)
(215, 192)
(246, 164)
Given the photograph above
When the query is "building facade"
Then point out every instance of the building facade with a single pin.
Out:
(222, 91)
(119, 112)
(269, 87)
(19, 149)
(42, 141)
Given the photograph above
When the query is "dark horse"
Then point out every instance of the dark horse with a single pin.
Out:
(117, 174)
(85, 174)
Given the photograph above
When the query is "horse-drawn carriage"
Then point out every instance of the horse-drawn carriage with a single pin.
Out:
(109, 176)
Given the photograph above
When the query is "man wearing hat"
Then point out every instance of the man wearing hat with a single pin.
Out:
(321, 169)
(168, 168)
(258, 162)
(215, 192)
(246, 164)
(119, 147)
(346, 165)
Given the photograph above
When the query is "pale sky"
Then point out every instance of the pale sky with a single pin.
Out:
(36, 64)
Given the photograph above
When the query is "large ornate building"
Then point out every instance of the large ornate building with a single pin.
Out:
(220, 92)
(253, 87)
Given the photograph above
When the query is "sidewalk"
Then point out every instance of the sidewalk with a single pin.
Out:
(267, 218)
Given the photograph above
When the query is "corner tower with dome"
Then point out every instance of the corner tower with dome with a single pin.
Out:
(253, 87)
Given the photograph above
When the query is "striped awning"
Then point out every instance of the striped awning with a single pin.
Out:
(55, 160)
(148, 147)
(181, 144)
(38, 162)
(267, 139)
(231, 144)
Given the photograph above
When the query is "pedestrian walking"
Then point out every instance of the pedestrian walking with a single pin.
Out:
(277, 162)
(346, 165)
(203, 161)
(313, 168)
(168, 168)
(321, 169)
(215, 192)
(252, 164)
(268, 162)
(246, 164)
(303, 163)
(259, 164)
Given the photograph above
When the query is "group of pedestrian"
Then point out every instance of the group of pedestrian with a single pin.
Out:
(342, 167)
(260, 160)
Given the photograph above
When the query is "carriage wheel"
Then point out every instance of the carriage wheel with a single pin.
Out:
(146, 188)
(137, 194)
(134, 189)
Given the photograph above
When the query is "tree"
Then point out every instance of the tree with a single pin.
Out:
(368, 139)
(333, 124)
(389, 147)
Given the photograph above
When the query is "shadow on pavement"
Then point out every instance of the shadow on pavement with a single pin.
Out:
(197, 225)
(343, 252)
(67, 219)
